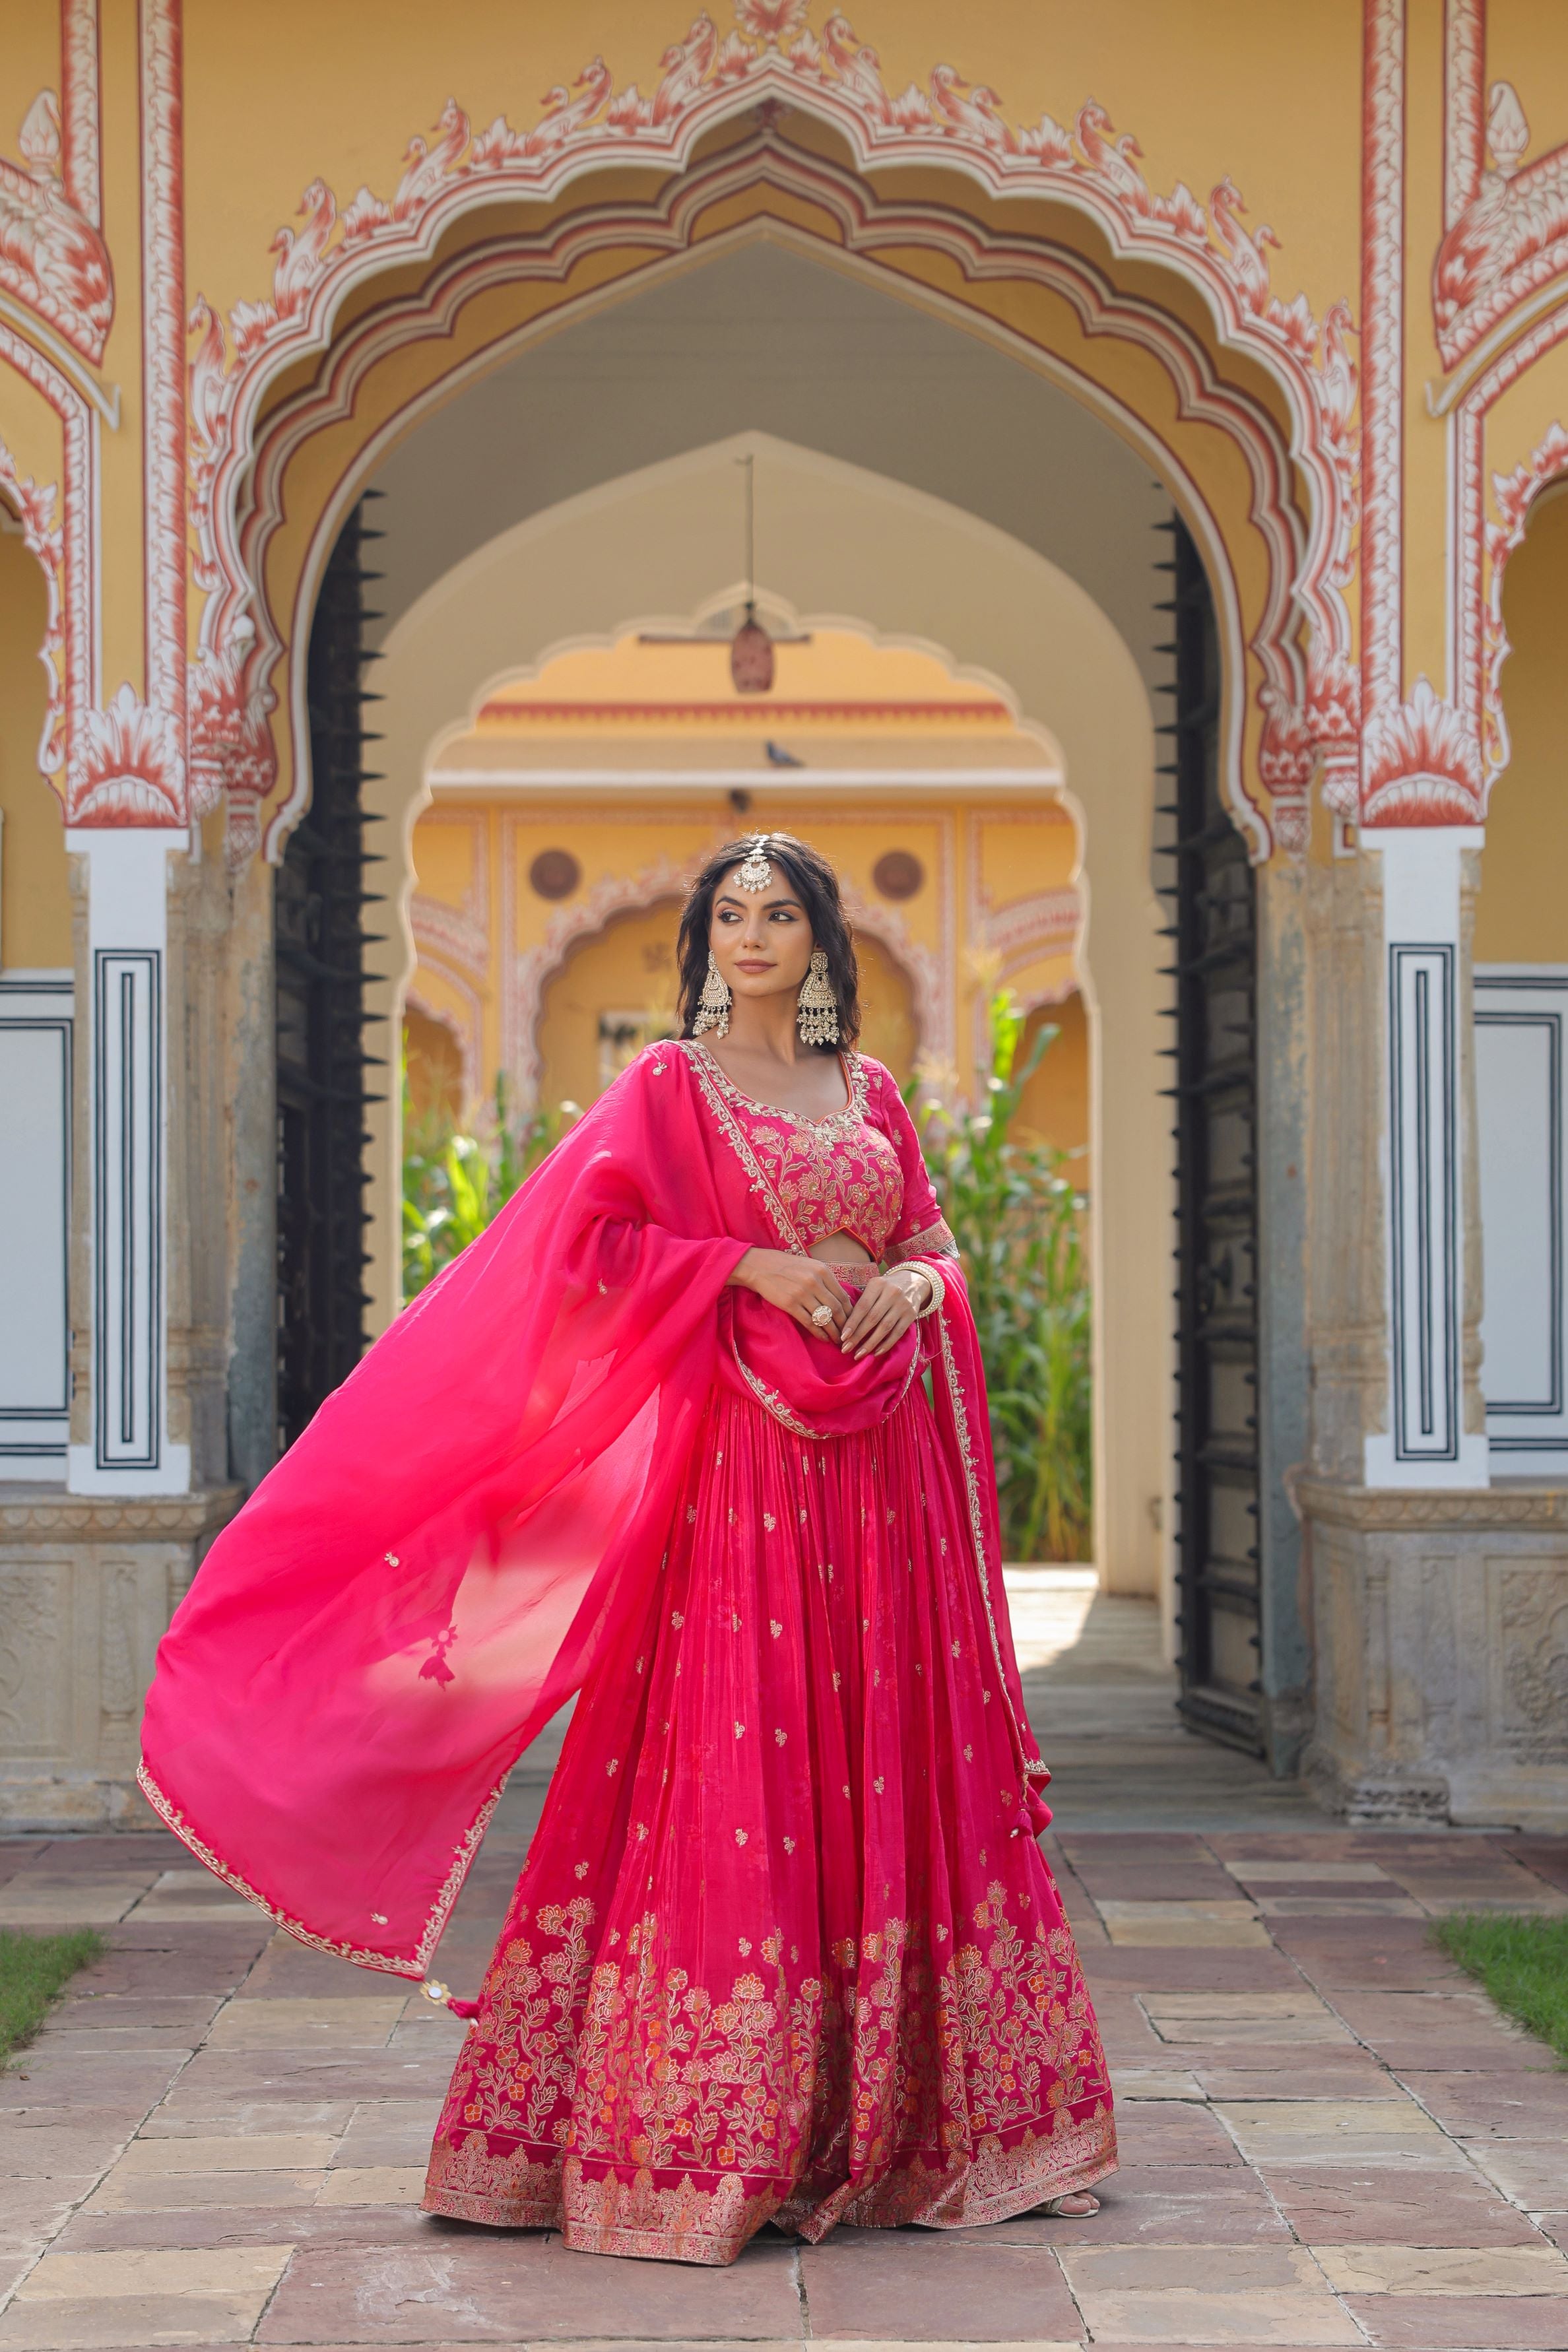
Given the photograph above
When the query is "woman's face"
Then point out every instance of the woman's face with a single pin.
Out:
(761, 939)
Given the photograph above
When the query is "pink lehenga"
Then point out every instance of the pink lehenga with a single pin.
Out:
(785, 1947)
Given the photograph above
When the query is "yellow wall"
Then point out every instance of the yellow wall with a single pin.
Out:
(472, 854)
(35, 903)
(1522, 913)
(1056, 1101)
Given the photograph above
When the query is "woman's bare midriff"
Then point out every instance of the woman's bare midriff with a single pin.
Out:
(841, 1249)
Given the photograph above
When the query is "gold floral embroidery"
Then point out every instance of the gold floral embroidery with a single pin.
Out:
(931, 1241)
(643, 2114)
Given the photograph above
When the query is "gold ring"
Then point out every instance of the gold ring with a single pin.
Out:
(823, 1314)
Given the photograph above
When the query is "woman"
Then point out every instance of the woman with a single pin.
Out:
(784, 1948)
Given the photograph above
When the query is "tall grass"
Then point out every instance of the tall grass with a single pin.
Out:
(1017, 1218)
(454, 1182)
(34, 1970)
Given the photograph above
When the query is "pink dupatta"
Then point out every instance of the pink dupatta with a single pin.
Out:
(428, 1574)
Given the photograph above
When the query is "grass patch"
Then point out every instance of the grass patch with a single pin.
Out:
(32, 1970)
(1522, 1962)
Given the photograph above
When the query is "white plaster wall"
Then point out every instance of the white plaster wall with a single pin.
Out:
(848, 545)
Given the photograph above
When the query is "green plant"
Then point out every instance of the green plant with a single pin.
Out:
(1521, 1959)
(1018, 1219)
(454, 1183)
(32, 1970)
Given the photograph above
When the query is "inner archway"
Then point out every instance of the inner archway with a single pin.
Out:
(644, 553)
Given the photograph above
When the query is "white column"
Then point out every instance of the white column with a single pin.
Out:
(126, 1045)
(1423, 1162)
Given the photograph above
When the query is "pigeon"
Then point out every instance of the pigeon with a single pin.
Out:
(779, 758)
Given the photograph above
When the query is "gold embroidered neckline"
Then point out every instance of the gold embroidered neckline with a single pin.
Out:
(851, 1115)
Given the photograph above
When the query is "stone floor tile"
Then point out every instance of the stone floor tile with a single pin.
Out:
(1337, 1869)
(1301, 2080)
(130, 2083)
(1252, 2295)
(129, 2323)
(53, 2152)
(282, 2022)
(1132, 2083)
(216, 2226)
(433, 2035)
(1150, 1883)
(1503, 2055)
(286, 1967)
(1172, 1969)
(1546, 1858)
(1496, 2106)
(473, 2286)
(37, 2205)
(236, 2270)
(243, 2075)
(1447, 2270)
(1363, 2204)
(1161, 2131)
(1490, 2323)
(1535, 2172)
(184, 2118)
(1160, 2205)
(1322, 1844)
(1337, 2131)
(1203, 1925)
(373, 2184)
(1327, 1905)
(86, 2008)
(127, 2190)
(1331, 2063)
(1555, 2227)
(1231, 2018)
(928, 2286)
(261, 2152)
(390, 2131)
(41, 1898)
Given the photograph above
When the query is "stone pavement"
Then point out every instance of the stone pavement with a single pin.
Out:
(1328, 2138)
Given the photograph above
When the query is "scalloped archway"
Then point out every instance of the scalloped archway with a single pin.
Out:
(1240, 404)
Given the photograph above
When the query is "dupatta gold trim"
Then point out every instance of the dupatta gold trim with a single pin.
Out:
(362, 1955)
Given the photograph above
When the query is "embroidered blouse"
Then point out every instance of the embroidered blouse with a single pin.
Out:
(859, 1172)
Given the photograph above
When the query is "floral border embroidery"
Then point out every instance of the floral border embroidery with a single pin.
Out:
(430, 1935)
(846, 1120)
(1032, 1770)
(704, 1067)
(935, 1241)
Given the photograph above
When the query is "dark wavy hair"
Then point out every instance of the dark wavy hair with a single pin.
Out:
(815, 883)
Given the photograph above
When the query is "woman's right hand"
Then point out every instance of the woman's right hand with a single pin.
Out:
(798, 1286)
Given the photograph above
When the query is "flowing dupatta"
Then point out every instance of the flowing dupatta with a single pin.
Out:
(428, 1574)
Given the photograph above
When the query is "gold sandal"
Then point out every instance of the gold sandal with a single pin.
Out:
(1054, 2207)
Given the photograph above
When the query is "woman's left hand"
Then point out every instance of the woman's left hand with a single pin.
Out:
(882, 1315)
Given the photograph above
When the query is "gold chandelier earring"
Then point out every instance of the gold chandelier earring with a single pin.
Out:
(713, 1005)
(816, 1013)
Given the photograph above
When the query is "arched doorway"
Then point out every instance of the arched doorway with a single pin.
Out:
(1224, 456)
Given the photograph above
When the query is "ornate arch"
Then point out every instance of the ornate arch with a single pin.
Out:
(1303, 478)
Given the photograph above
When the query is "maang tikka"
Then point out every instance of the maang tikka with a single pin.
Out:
(817, 1007)
(713, 1005)
(756, 873)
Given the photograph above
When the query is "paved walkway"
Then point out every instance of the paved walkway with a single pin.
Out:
(1328, 2137)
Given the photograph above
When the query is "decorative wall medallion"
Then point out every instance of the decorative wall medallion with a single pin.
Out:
(554, 874)
(899, 874)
